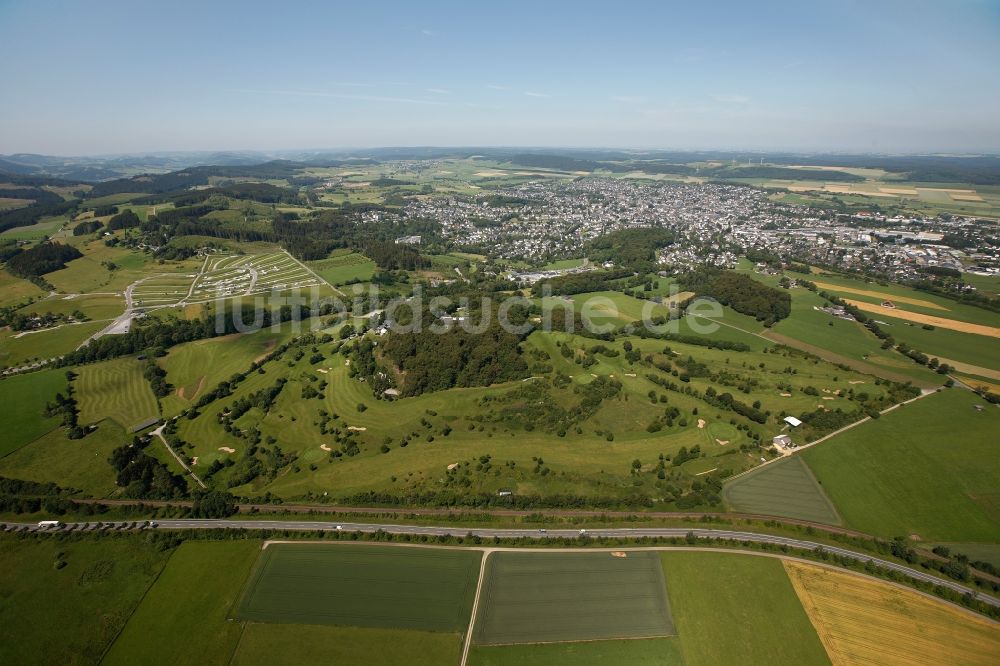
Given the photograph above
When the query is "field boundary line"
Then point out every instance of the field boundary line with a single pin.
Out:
(159, 573)
(475, 607)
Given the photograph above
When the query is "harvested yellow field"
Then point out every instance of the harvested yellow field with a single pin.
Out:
(864, 621)
(881, 294)
(940, 322)
(965, 197)
(899, 190)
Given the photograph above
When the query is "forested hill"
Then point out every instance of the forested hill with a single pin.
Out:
(740, 292)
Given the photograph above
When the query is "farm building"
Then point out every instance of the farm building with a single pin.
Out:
(782, 441)
(792, 421)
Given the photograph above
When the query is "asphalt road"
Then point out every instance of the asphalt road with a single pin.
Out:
(488, 533)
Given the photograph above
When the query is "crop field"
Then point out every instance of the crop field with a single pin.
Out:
(863, 621)
(24, 398)
(342, 268)
(183, 619)
(362, 586)
(267, 644)
(81, 463)
(933, 320)
(731, 608)
(786, 488)
(86, 601)
(642, 652)
(913, 472)
(117, 390)
(546, 597)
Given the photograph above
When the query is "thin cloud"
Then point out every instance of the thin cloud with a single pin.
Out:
(627, 99)
(428, 32)
(318, 93)
(731, 99)
(529, 93)
(438, 91)
(493, 86)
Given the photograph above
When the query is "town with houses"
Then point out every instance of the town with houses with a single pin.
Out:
(714, 224)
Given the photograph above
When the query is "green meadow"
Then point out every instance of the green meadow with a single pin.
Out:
(736, 608)
(64, 602)
(184, 617)
(918, 472)
(24, 398)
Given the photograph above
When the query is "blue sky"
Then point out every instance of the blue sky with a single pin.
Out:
(108, 76)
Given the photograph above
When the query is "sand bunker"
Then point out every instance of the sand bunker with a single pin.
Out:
(357, 428)
(226, 449)
(701, 423)
(325, 447)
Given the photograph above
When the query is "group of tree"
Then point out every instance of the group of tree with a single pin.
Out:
(41, 259)
(436, 361)
(740, 292)
(142, 476)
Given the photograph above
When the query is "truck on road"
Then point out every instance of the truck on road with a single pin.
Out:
(48, 524)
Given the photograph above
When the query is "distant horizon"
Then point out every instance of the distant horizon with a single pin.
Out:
(528, 147)
(840, 76)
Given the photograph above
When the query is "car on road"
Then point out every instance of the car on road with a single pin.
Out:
(339, 527)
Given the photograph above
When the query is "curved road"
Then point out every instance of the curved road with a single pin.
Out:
(627, 533)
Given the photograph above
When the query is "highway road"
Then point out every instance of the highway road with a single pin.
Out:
(489, 533)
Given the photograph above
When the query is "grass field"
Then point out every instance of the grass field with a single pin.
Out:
(266, 644)
(117, 390)
(928, 469)
(862, 621)
(550, 597)
(16, 349)
(362, 586)
(183, 619)
(732, 608)
(24, 398)
(199, 366)
(661, 651)
(81, 463)
(786, 488)
(69, 615)
(15, 290)
(342, 268)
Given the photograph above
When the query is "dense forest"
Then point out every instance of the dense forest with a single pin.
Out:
(740, 292)
(41, 259)
(437, 361)
(633, 249)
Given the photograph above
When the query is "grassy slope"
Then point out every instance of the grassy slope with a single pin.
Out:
(663, 651)
(585, 464)
(733, 608)
(15, 290)
(266, 644)
(205, 363)
(929, 468)
(69, 615)
(44, 344)
(865, 621)
(81, 464)
(117, 390)
(24, 397)
(183, 619)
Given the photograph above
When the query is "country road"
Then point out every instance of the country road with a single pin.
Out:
(488, 533)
